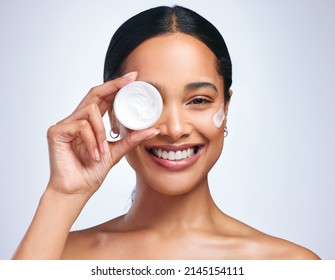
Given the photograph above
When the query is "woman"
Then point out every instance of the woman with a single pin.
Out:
(173, 215)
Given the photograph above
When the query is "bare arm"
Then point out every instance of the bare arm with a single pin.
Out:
(80, 159)
(47, 234)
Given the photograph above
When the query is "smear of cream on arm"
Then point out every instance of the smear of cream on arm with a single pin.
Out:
(219, 117)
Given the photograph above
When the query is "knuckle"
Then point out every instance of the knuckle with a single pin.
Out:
(51, 131)
(83, 124)
(93, 90)
(92, 108)
(90, 143)
(101, 132)
(133, 139)
(127, 142)
(130, 140)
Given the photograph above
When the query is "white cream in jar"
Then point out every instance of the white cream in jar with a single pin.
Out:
(138, 105)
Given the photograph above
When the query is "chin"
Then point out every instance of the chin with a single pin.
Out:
(173, 183)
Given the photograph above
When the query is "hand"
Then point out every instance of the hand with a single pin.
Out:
(80, 156)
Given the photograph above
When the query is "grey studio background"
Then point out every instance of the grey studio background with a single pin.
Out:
(277, 169)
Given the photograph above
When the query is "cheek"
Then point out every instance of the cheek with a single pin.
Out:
(207, 124)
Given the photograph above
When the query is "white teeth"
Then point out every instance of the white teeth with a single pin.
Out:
(174, 155)
(165, 155)
(184, 154)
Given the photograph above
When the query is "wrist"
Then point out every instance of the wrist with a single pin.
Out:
(67, 205)
(58, 191)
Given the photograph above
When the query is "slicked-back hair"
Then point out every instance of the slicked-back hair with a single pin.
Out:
(163, 20)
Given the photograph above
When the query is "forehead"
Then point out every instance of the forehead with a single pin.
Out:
(174, 55)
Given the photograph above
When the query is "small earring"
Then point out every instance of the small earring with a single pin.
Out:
(113, 135)
(225, 134)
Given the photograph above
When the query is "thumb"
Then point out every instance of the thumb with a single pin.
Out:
(120, 148)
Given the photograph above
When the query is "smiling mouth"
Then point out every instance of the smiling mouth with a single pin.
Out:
(175, 155)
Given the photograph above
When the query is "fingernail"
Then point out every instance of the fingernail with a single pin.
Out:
(106, 146)
(130, 74)
(96, 153)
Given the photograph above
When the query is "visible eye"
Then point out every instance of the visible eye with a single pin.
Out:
(200, 101)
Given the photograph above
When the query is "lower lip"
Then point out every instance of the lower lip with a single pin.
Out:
(176, 164)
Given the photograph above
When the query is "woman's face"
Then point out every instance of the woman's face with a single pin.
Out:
(184, 70)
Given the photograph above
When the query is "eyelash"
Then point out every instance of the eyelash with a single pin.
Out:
(203, 101)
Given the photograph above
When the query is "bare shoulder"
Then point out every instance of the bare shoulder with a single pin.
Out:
(264, 246)
(280, 249)
(254, 244)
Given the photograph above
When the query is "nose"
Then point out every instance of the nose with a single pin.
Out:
(174, 123)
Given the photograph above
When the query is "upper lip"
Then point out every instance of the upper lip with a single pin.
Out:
(174, 148)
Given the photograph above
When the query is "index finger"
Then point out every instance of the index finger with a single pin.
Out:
(104, 94)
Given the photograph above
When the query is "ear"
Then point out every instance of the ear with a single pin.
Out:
(227, 103)
(113, 121)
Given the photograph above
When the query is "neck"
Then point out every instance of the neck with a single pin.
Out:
(154, 210)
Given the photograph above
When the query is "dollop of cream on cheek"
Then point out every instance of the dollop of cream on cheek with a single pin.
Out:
(219, 117)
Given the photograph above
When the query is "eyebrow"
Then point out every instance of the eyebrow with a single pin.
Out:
(190, 86)
(198, 85)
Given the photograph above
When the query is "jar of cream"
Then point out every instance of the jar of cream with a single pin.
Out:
(138, 105)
